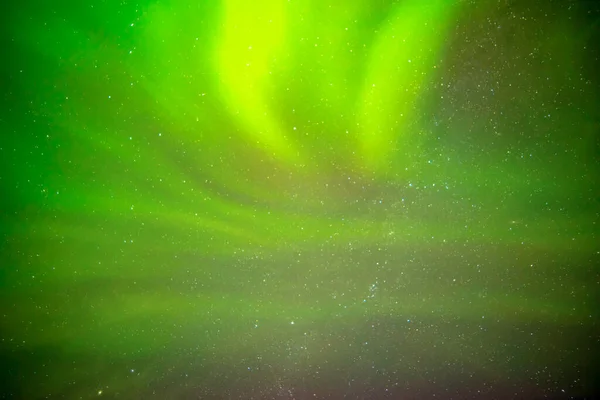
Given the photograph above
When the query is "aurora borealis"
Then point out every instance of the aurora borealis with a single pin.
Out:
(300, 199)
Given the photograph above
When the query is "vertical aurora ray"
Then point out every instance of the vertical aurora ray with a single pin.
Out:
(404, 55)
(250, 49)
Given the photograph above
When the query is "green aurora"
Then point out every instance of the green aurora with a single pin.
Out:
(300, 199)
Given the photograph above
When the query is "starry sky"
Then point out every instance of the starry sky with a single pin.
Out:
(299, 199)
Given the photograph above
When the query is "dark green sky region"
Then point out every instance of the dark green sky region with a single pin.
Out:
(299, 199)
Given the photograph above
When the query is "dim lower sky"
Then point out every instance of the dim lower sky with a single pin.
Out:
(299, 199)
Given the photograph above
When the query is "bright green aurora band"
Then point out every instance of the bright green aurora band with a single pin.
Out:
(300, 199)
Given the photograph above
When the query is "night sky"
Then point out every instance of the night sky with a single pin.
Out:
(299, 199)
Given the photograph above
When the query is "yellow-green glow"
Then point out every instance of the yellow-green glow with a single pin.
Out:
(249, 53)
(401, 60)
